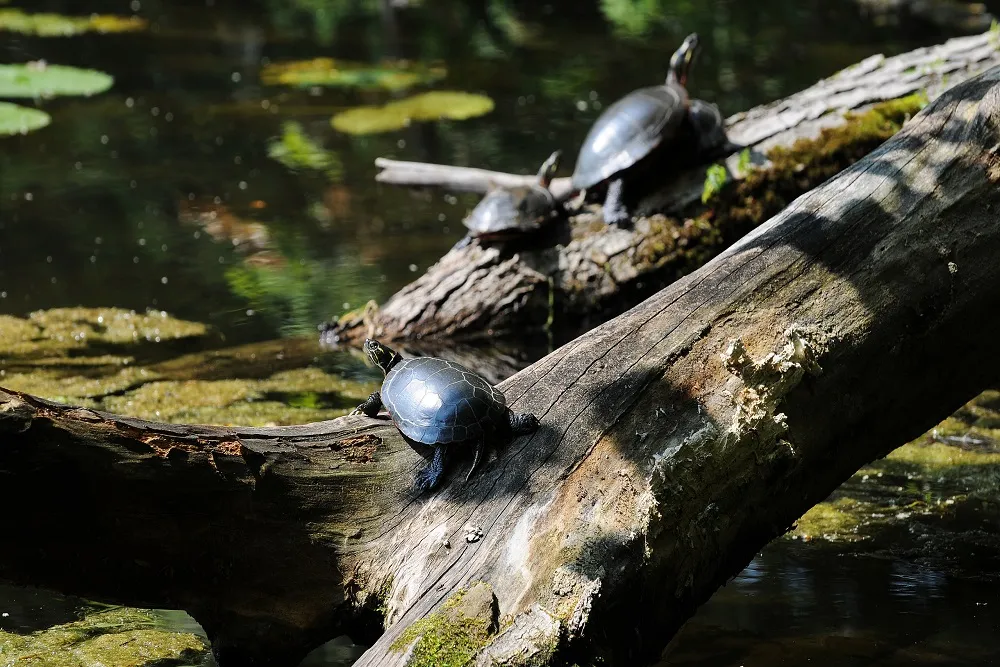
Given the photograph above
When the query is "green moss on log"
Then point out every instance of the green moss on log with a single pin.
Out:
(680, 246)
(452, 636)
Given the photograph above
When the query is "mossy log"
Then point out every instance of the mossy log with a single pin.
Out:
(675, 441)
(584, 272)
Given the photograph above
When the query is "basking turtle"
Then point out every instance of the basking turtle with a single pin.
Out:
(640, 128)
(440, 403)
(510, 211)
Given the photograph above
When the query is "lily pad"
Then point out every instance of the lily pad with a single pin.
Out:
(16, 119)
(435, 105)
(58, 25)
(39, 79)
(389, 75)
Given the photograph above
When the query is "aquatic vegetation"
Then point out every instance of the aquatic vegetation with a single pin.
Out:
(388, 75)
(58, 25)
(61, 354)
(298, 151)
(15, 119)
(40, 80)
(120, 636)
(435, 105)
(954, 465)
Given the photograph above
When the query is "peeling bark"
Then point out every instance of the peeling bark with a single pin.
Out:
(583, 273)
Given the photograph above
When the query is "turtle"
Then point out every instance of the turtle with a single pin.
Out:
(441, 403)
(642, 127)
(507, 212)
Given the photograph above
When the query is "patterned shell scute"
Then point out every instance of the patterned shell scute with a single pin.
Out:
(510, 208)
(434, 401)
(628, 131)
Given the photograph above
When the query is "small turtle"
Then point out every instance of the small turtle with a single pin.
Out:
(506, 212)
(640, 128)
(440, 403)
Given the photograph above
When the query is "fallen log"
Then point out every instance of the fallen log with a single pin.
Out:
(584, 273)
(675, 441)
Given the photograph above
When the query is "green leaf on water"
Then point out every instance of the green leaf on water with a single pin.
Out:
(16, 119)
(58, 25)
(435, 105)
(388, 75)
(298, 151)
(40, 80)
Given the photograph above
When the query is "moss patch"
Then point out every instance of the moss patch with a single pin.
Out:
(452, 636)
(681, 246)
(121, 637)
(935, 478)
(61, 355)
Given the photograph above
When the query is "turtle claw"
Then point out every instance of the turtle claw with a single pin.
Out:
(475, 460)
(428, 478)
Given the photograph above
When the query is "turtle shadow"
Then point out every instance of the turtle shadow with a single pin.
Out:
(458, 462)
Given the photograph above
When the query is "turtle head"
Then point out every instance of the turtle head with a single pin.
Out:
(680, 62)
(380, 355)
(548, 169)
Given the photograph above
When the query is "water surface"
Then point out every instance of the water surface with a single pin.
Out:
(161, 194)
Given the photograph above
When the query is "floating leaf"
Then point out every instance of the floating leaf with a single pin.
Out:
(57, 25)
(298, 151)
(38, 79)
(15, 119)
(388, 75)
(434, 105)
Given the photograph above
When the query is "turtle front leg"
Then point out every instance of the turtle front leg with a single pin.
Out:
(523, 423)
(428, 477)
(615, 210)
(370, 407)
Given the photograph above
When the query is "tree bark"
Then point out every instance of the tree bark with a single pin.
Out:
(675, 441)
(583, 273)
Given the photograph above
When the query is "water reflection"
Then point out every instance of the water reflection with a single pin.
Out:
(819, 604)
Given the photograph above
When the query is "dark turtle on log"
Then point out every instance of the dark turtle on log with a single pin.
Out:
(507, 212)
(648, 124)
(440, 403)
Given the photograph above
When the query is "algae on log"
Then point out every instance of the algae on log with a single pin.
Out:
(584, 273)
(675, 441)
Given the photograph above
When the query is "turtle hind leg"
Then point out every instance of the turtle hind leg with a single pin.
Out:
(429, 477)
(614, 208)
(523, 423)
(370, 407)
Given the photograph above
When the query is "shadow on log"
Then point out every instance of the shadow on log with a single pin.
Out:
(675, 441)
(584, 274)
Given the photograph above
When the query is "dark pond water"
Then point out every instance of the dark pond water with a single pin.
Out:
(161, 193)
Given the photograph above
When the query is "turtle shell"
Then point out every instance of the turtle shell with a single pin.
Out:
(435, 402)
(629, 130)
(509, 209)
